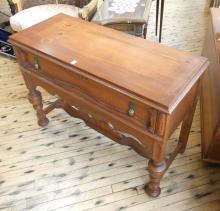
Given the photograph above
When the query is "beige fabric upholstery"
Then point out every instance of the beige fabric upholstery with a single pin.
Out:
(34, 15)
(24, 4)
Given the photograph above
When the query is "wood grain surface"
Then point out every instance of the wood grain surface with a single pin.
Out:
(157, 73)
(103, 175)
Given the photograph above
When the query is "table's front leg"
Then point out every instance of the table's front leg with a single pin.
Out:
(35, 99)
(157, 168)
(156, 172)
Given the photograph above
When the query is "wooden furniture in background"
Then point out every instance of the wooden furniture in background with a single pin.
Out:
(35, 11)
(134, 23)
(131, 90)
(215, 3)
(210, 98)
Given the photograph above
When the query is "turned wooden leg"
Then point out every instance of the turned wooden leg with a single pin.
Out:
(35, 99)
(156, 172)
(186, 126)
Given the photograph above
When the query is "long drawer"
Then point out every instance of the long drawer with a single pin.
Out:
(131, 109)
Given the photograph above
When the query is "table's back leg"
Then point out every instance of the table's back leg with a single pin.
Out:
(186, 126)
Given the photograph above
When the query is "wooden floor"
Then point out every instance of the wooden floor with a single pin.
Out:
(68, 166)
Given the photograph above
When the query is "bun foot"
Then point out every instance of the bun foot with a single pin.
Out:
(153, 192)
(156, 172)
(43, 122)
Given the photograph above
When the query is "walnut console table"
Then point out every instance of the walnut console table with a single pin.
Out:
(131, 90)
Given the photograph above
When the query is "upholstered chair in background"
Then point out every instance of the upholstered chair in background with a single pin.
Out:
(30, 12)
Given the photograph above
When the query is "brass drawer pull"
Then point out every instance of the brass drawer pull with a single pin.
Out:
(131, 110)
(36, 63)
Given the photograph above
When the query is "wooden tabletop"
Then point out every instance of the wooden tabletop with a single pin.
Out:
(150, 71)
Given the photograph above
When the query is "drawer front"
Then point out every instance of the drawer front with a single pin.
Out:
(120, 104)
(103, 121)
